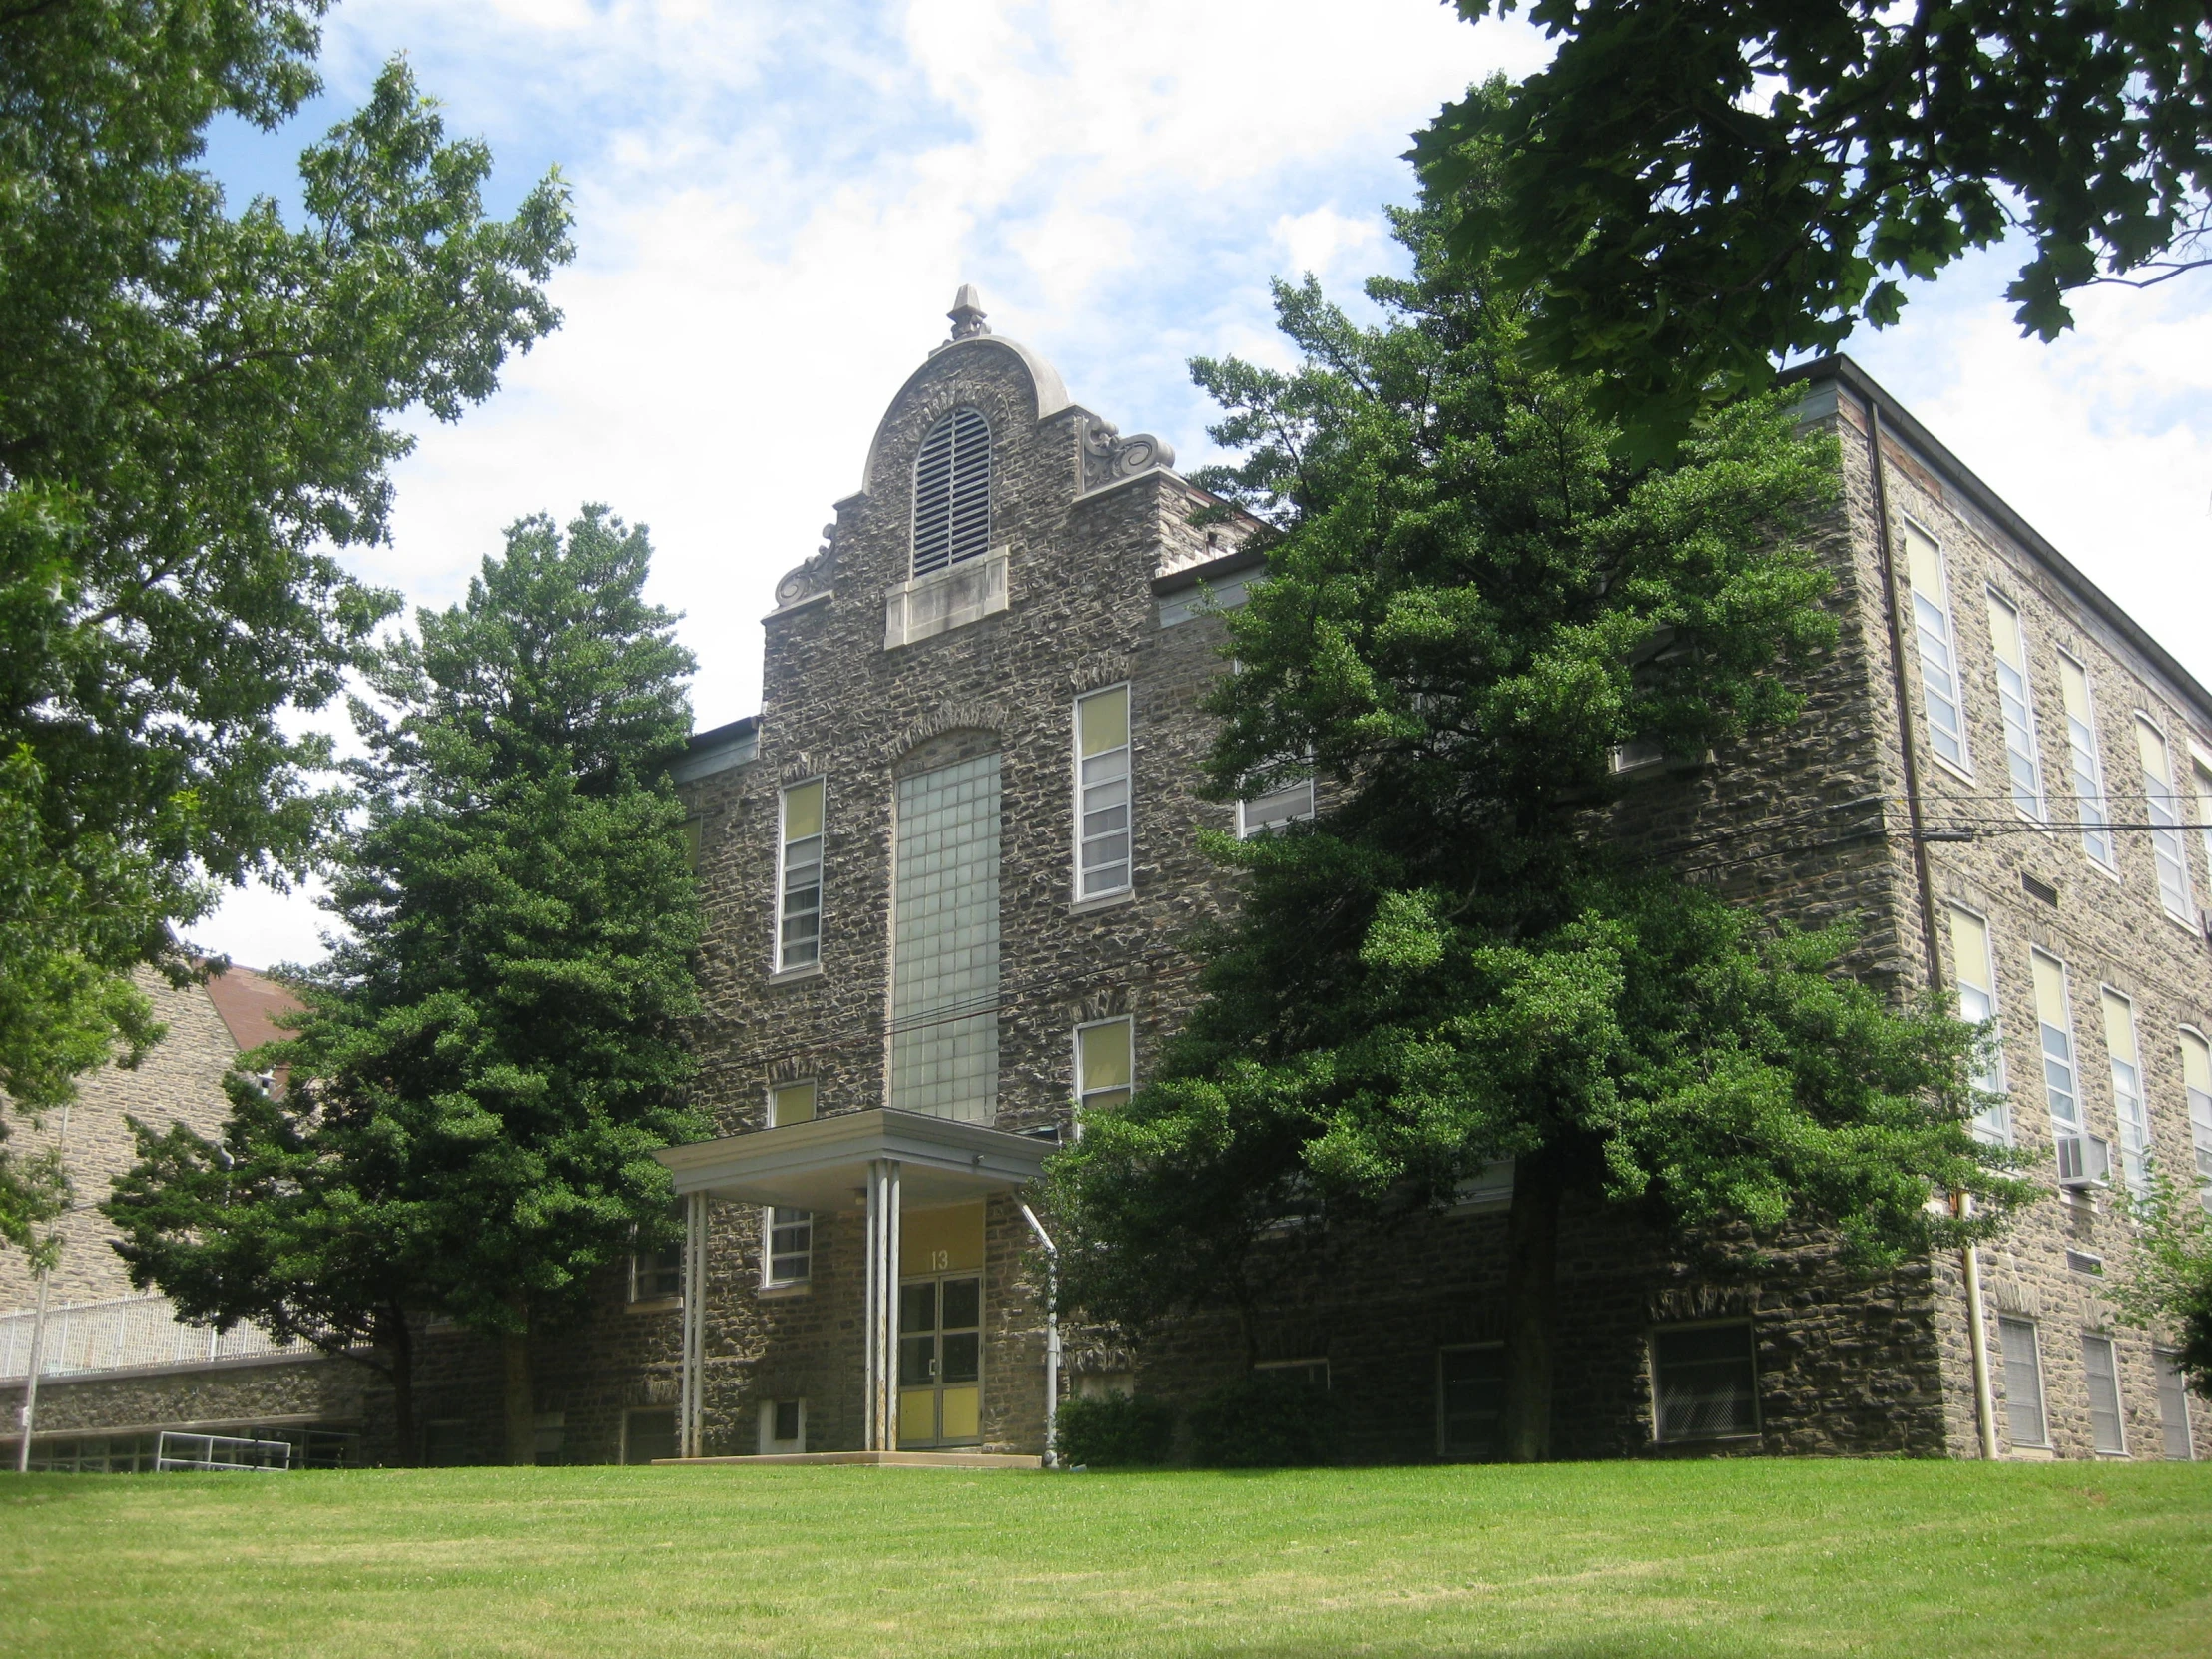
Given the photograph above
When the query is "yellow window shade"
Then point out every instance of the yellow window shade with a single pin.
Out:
(2073, 682)
(2196, 1063)
(941, 1241)
(2050, 991)
(2151, 745)
(2005, 634)
(1106, 1059)
(1102, 721)
(791, 1103)
(803, 810)
(1969, 950)
(1924, 560)
(2119, 1028)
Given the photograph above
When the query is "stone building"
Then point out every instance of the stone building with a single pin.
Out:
(951, 870)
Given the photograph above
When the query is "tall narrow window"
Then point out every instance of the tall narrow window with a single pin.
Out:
(1974, 966)
(2196, 1082)
(2173, 1404)
(2127, 1093)
(1102, 793)
(2086, 761)
(1947, 720)
(944, 943)
(2167, 849)
(2201, 777)
(952, 492)
(2025, 1423)
(2018, 703)
(799, 904)
(2107, 1430)
(789, 1256)
(1105, 1063)
(2060, 1089)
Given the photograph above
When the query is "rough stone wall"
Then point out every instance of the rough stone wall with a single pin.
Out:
(210, 1397)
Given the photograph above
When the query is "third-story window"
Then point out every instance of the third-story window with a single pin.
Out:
(2086, 763)
(2166, 846)
(1973, 964)
(2200, 776)
(2055, 1024)
(1102, 793)
(1291, 803)
(952, 492)
(2127, 1093)
(2196, 1082)
(1938, 642)
(798, 897)
(2018, 703)
(1105, 1063)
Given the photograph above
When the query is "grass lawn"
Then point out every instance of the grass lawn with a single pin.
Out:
(1744, 1557)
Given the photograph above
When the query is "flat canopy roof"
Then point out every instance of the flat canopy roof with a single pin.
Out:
(822, 1164)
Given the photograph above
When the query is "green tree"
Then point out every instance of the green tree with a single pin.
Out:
(198, 410)
(294, 1220)
(506, 1018)
(1696, 188)
(1470, 600)
(2169, 1279)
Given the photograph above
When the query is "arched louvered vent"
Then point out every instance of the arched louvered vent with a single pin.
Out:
(952, 492)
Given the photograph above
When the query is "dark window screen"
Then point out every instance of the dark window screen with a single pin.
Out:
(1706, 1383)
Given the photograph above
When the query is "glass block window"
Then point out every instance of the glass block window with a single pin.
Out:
(2168, 851)
(1704, 1384)
(799, 890)
(1105, 1063)
(944, 944)
(2056, 1023)
(2017, 704)
(1938, 644)
(2107, 1433)
(1102, 863)
(2196, 1082)
(789, 1256)
(1974, 966)
(2129, 1105)
(2086, 761)
(1472, 1402)
(2025, 1423)
(790, 1103)
(2173, 1406)
(952, 492)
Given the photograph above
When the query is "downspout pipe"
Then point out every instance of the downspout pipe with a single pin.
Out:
(29, 1413)
(1970, 1258)
(1051, 1338)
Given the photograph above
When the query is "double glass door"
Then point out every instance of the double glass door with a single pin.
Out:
(940, 1361)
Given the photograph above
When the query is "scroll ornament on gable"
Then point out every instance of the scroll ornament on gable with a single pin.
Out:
(1108, 458)
(812, 579)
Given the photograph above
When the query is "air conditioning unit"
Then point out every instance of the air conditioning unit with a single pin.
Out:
(2084, 1162)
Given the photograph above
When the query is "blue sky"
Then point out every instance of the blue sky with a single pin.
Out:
(774, 204)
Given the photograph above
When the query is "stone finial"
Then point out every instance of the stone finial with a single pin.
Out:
(967, 314)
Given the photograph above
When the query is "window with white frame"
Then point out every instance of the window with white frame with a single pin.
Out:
(2025, 1423)
(2129, 1105)
(2196, 1083)
(1102, 823)
(2054, 1023)
(2016, 702)
(2168, 851)
(656, 1274)
(2200, 778)
(952, 492)
(1105, 1063)
(1939, 647)
(2108, 1429)
(1291, 803)
(1705, 1383)
(2173, 1406)
(790, 1103)
(799, 887)
(789, 1258)
(2085, 758)
(1974, 966)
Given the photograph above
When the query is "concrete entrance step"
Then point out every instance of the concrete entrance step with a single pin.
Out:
(883, 1460)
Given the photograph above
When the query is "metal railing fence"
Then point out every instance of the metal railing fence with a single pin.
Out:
(130, 1333)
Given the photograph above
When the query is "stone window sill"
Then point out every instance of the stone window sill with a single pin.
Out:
(1104, 902)
(779, 1292)
(1952, 766)
(655, 1304)
(792, 976)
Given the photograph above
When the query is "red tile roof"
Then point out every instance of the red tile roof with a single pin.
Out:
(250, 1004)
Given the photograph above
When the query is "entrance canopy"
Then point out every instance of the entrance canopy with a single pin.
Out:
(824, 1162)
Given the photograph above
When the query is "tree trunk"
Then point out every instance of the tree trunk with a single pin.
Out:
(522, 1412)
(402, 1389)
(1532, 1300)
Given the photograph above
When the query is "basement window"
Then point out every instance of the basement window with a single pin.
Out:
(2108, 1432)
(1471, 1402)
(2024, 1424)
(647, 1436)
(1705, 1381)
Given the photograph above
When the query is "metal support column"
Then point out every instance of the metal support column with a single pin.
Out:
(880, 1430)
(690, 1413)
